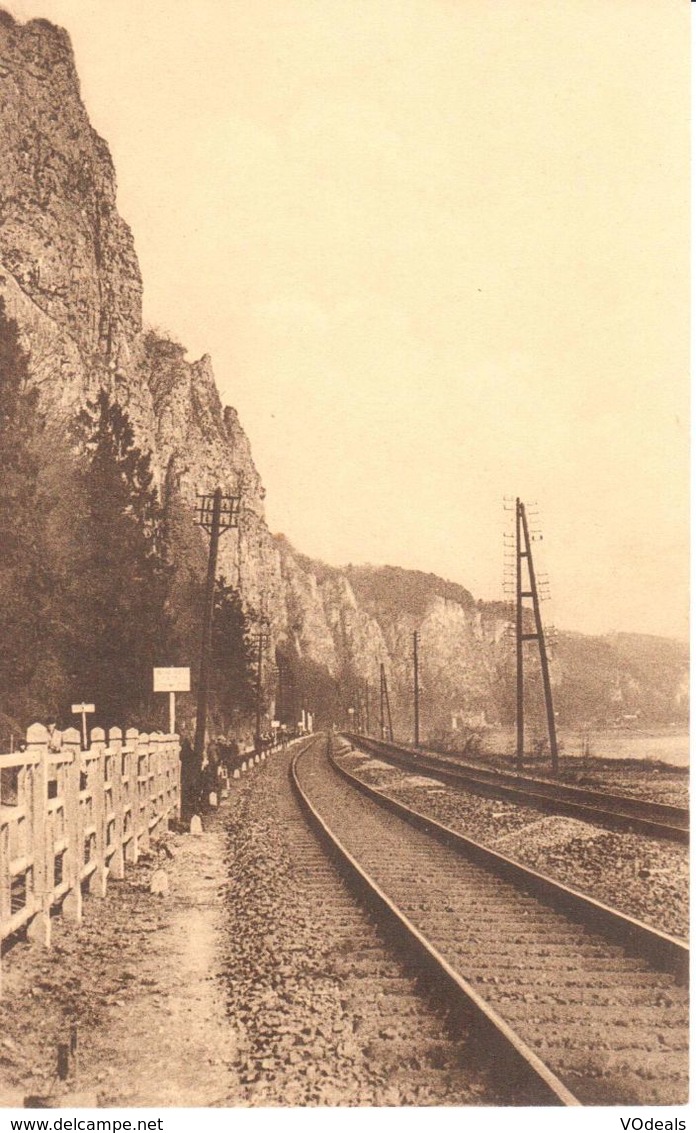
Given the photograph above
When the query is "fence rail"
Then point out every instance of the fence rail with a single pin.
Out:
(69, 819)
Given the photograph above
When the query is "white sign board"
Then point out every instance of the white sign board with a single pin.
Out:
(171, 680)
(79, 708)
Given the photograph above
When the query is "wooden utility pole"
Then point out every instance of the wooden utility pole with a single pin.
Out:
(280, 709)
(382, 734)
(518, 636)
(523, 550)
(416, 693)
(367, 708)
(262, 638)
(216, 513)
(385, 720)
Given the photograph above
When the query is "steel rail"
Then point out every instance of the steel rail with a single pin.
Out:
(520, 1060)
(661, 949)
(641, 815)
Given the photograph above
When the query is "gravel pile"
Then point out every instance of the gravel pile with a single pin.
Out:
(646, 878)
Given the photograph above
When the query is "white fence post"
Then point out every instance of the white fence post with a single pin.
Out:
(72, 902)
(97, 880)
(142, 752)
(39, 927)
(129, 782)
(115, 820)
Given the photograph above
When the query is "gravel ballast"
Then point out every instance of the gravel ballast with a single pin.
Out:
(645, 878)
(329, 1016)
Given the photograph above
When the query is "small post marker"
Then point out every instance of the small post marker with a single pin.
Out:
(83, 710)
(63, 1061)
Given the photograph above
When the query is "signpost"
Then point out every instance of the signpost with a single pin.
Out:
(172, 681)
(83, 710)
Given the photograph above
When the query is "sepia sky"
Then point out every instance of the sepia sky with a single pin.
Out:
(437, 250)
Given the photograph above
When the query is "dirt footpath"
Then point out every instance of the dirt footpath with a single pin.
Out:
(139, 979)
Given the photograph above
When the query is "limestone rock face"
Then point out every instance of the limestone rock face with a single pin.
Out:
(70, 277)
(62, 240)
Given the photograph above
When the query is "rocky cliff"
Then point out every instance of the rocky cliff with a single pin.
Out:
(69, 275)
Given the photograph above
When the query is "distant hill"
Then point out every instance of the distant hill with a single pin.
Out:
(637, 678)
(467, 656)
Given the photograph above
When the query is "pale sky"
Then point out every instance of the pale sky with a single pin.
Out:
(438, 251)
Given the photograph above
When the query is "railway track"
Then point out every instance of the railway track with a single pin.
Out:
(332, 1015)
(643, 816)
(588, 1004)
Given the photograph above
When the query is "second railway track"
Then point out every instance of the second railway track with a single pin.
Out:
(599, 1021)
(643, 816)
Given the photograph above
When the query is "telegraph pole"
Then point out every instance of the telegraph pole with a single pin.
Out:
(385, 720)
(523, 550)
(262, 638)
(215, 513)
(416, 704)
(518, 636)
(533, 593)
(367, 708)
(292, 693)
(280, 710)
(382, 734)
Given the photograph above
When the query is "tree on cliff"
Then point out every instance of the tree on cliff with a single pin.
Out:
(121, 574)
(25, 583)
(233, 655)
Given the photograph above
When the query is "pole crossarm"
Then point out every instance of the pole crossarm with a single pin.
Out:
(229, 512)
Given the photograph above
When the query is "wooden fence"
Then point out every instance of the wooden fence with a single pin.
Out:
(69, 819)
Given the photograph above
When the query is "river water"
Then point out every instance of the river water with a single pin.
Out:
(671, 745)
